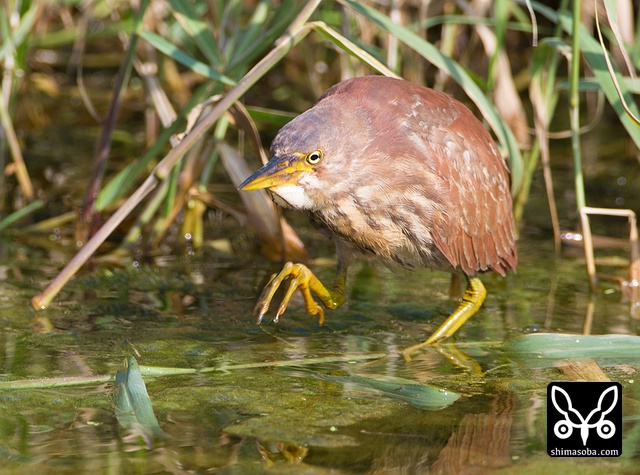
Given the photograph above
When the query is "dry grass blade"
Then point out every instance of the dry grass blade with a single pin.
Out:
(597, 62)
(634, 258)
(77, 58)
(164, 109)
(16, 153)
(15, 25)
(545, 157)
(624, 11)
(212, 201)
(534, 23)
(243, 120)
(614, 78)
(541, 120)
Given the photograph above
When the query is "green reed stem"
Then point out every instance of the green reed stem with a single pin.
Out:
(574, 106)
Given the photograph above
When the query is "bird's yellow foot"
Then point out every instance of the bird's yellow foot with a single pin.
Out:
(300, 277)
(471, 302)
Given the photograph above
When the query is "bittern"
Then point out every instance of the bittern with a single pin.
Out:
(396, 172)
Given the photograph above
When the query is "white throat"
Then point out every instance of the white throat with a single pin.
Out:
(291, 196)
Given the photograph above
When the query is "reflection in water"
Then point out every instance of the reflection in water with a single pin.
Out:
(481, 442)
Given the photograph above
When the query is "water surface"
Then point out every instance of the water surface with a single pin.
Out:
(296, 397)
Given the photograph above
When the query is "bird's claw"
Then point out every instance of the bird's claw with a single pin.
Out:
(300, 277)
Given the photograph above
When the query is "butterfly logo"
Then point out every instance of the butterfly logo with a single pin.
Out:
(574, 420)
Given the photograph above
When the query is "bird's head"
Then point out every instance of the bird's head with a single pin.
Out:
(290, 177)
(313, 157)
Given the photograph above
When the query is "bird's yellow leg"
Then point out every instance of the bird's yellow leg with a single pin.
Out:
(472, 300)
(300, 277)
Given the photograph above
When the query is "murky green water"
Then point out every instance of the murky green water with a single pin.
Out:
(295, 397)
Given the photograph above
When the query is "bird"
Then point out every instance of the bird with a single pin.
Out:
(395, 173)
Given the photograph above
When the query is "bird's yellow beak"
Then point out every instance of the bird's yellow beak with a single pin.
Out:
(280, 171)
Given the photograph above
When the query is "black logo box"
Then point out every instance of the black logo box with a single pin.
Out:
(584, 419)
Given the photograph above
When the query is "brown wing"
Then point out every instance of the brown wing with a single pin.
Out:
(477, 228)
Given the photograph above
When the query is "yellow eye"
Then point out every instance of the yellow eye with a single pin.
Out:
(314, 157)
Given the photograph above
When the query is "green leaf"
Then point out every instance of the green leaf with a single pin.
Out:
(251, 35)
(20, 213)
(183, 58)
(197, 30)
(543, 350)
(67, 36)
(11, 39)
(416, 394)
(274, 118)
(117, 186)
(247, 45)
(132, 403)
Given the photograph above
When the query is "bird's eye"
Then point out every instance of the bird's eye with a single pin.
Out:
(314, 157)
